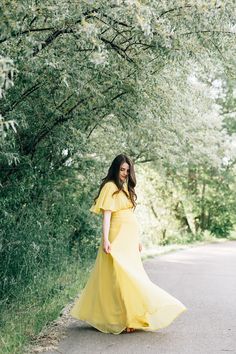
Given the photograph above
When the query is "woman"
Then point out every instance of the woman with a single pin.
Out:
(119, 296)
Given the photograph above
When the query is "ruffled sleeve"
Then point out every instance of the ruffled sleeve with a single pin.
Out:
(106, 200)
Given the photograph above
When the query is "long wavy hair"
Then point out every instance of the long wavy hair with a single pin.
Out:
(113, 175)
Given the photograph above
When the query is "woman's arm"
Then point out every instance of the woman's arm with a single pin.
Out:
(105, 230)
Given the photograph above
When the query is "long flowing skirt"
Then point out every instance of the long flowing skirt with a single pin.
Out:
(119, 293)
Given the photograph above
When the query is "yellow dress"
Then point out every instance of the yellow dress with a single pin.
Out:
(119, 293)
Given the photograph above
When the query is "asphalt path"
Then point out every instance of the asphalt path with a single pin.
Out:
(204, 279)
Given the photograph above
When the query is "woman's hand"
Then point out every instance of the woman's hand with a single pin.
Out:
(140, 247)
(106, 246)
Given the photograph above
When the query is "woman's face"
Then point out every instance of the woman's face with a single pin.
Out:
(124, 171)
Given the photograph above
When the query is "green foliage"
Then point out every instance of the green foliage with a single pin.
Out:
(182, 205)
(83, 81)
(37, 304)
(78, 63)
(39, 224)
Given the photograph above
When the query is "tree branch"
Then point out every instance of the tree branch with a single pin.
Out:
(206, 31)
(24, 95)
(172, 10)
(18, 34)
(118, 49)
(54, 34)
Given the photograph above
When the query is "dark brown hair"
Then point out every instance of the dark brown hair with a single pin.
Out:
(113, 175)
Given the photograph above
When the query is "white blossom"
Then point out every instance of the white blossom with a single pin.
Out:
(64, 152)
(98, 57)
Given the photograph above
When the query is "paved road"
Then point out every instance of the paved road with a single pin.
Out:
(204, 279)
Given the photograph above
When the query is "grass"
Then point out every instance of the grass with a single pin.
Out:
(183, 241)
(38, 305)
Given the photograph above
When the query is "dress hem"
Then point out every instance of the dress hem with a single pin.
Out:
(147, 329)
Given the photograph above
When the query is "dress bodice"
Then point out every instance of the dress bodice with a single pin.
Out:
(109, 201)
